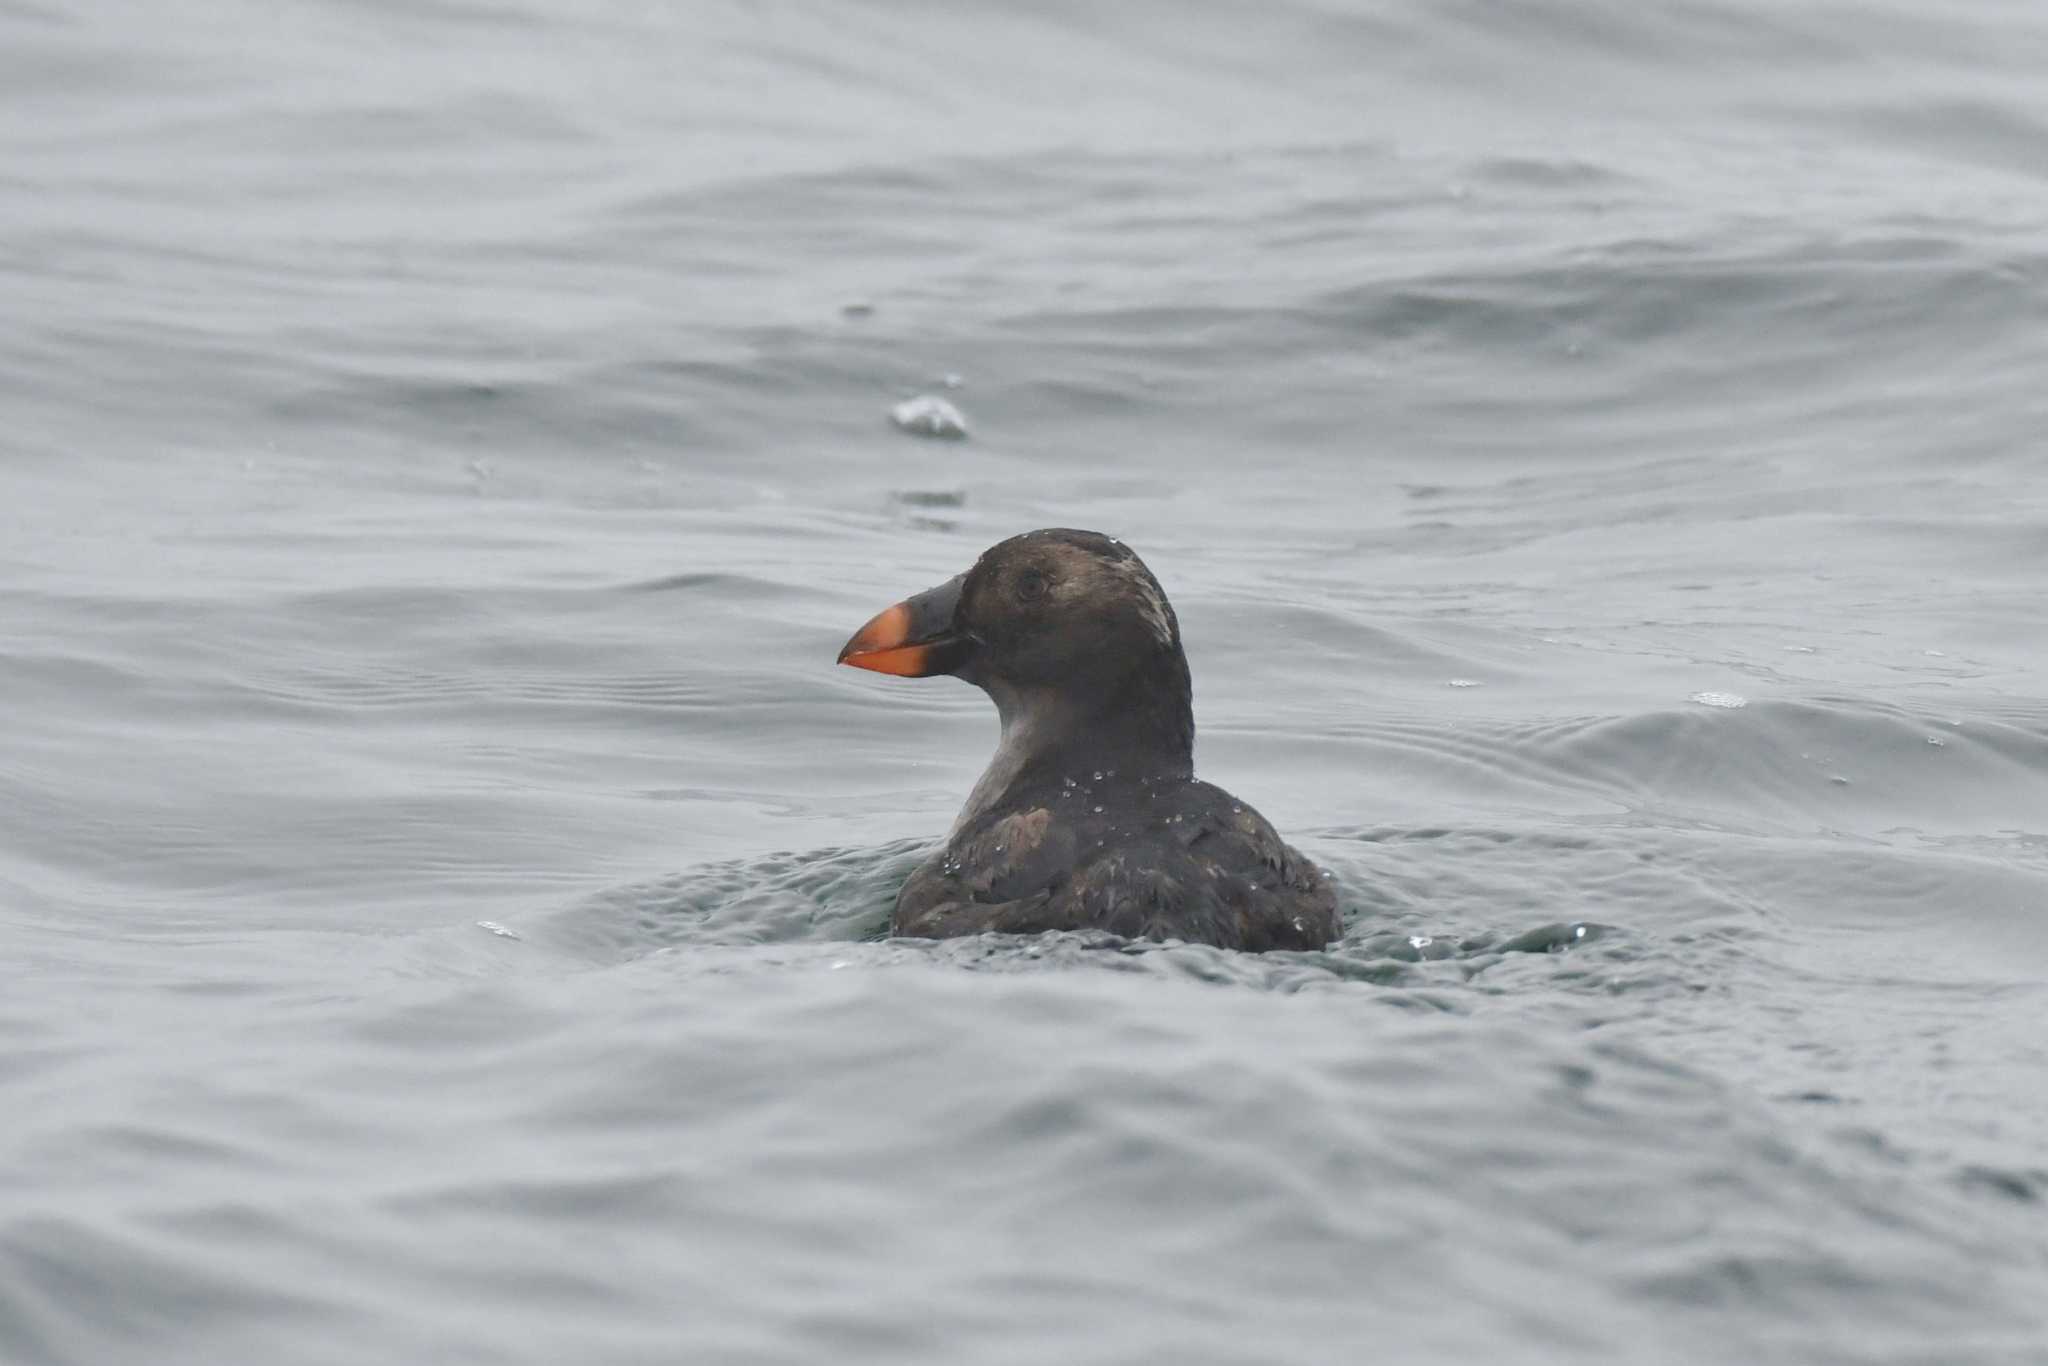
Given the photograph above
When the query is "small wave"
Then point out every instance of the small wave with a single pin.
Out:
(826, 894)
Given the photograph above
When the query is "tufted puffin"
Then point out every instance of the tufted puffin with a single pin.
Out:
(1090, 815)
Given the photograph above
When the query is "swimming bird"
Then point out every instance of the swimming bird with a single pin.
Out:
(1090, 815)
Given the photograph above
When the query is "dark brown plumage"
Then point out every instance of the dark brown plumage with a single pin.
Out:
(1089, 816)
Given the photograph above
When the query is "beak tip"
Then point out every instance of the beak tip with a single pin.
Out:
(908, 640)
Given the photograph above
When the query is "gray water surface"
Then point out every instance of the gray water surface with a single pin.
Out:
(1596, 452)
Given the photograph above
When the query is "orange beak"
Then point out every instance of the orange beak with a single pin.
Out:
(914, 639)
(884, 645)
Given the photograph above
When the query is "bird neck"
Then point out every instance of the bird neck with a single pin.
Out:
(1142, 728)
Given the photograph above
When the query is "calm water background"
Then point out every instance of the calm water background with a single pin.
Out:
(443, 877)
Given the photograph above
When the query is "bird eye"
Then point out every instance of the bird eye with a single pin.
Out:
(1031, 585)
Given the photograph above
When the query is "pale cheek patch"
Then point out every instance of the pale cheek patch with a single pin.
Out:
(1151, 607)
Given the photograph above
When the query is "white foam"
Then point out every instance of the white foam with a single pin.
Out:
(929, 415)
(1720, 699)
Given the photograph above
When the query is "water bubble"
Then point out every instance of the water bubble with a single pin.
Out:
(1098, 775)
